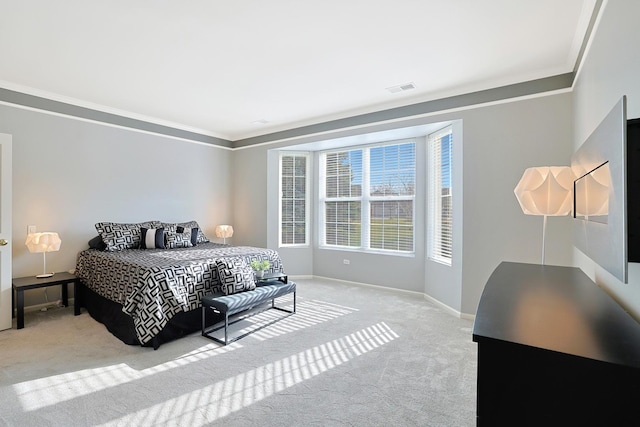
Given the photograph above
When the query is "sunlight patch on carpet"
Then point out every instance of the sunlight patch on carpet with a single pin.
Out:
(48, 391)
(202, 406)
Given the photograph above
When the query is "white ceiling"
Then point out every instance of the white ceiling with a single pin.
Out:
(216, 67)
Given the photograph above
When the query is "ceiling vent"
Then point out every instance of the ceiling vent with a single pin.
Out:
(401, 88)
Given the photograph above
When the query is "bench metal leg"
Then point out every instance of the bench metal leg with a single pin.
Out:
(226, 327)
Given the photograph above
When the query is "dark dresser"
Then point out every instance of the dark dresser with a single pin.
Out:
(554, 350)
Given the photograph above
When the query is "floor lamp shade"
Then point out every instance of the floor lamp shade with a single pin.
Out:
(43, 243)
(224, 231)
(546, 191)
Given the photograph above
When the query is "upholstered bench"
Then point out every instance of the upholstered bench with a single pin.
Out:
(228, 305)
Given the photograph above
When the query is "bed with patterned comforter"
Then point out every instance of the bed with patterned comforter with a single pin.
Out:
(155, 285)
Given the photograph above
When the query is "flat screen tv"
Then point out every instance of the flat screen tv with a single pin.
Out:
(633, 190)
(600, 194)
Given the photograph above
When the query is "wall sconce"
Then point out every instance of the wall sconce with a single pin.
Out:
(546, 191)
(224, 231)
(43, 242)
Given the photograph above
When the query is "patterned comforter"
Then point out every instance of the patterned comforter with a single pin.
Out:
(153, 285)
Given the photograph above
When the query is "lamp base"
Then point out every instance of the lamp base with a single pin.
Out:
(44, 276)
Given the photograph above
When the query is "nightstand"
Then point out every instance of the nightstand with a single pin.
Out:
(21, 284)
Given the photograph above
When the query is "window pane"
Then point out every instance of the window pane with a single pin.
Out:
(392, 225)
(299, 210)
(287, 233)
(342, 223)
(300, 234)
(287, 210)
(287, 166)
(393, 170)
(287, 187)
(301, 166)
(300, 187)
(332, 186)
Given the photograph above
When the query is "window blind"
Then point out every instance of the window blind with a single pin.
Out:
(440, 208)
(343, 189)
(392, 190)
(369, 197)
(293, 199)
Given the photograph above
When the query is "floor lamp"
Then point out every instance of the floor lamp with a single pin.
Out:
(546, 191)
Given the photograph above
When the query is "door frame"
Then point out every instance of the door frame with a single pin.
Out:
(6, 204)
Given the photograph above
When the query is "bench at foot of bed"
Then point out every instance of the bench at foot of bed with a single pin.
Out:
(228, 305)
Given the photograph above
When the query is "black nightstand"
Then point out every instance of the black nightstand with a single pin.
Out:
(21, 284)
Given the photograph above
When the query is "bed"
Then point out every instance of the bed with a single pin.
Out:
(151, 296)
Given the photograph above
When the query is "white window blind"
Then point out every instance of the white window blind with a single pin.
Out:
(440, 214)
(293, 199)
(343, 191)
(368, 197)
(392, 180)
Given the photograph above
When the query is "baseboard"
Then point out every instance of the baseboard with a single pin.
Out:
(301, 277)
(429, 298)
(368, 285)
(39, 307)
(451, 310)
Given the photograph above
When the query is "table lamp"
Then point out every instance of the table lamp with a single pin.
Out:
(224, 231)
(43, 242)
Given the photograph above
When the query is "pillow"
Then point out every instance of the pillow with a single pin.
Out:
(235, 275)
(189, 224)
(174, 240)
(97, 243)
(118, 237)
(193, 231)
(151, 238)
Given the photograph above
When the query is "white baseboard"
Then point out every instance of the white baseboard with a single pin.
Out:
(50, 304)
(301, 277)
(429, 298)
(368, 285)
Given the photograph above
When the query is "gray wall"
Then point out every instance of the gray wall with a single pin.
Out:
(69, 174)
(499, 142)
(113, 174)
(610, 70)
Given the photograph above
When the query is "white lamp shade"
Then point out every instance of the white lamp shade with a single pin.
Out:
(546, 190)
(43, 242)
(224, 231)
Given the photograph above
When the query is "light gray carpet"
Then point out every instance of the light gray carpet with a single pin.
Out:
(351, 356)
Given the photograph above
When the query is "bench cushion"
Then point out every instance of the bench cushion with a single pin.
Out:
(235, 303)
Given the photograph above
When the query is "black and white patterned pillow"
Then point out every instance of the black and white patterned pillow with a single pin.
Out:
(235, 275)
(193, 231)
(189, 224)
(151, 238)
(174, 240)
(118, 237)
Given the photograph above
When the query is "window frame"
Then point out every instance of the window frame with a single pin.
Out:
(365, 199)
(307, 156)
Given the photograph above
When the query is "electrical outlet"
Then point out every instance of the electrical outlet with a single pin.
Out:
(346, 262)
(31, 229)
